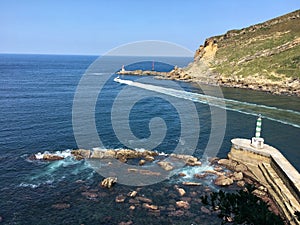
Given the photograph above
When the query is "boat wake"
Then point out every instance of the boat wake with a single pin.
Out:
(285, 116)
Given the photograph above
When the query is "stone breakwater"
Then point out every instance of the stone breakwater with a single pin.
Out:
(142, 73)
(227, 173)
(268, 167)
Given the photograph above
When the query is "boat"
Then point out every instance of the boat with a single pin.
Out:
(119, 80)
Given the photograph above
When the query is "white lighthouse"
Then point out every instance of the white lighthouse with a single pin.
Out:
(257, 141)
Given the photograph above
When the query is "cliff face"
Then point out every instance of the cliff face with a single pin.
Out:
(264, 57)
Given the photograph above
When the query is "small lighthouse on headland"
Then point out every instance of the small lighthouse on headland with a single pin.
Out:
(257, 141)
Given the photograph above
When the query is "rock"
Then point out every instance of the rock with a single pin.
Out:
(155, 212)
(81, 154)
(149, 158)
(238, 176)
(207, 189)
(132, 194)
(49, 157)
(213, 160)
(171, 208)
(188, 159)
(223, 181)
(79, 181)
(61, 206)
(108, 182)
(205, 210)
(200, 176)
(176, 213)
(120, 199)
(262, 188)
(240, 168)
(103, 154)
(127, 154)
(126, 223)
(214, 172)
(90, 195)
(259, 193)
(193, 194)
(186, 199)
(165, 165)
(148, 206)
(240, 183)
(181, 191)
(191, 183)
(134, 201)
(143, 199)
(149, 172)
(182, 204)
(142, 162)
(230, 164)
(32, 158)
(218, 168)
(181, 174)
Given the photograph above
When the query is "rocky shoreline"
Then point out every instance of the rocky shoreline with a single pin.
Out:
(283, 86)
(225, 173)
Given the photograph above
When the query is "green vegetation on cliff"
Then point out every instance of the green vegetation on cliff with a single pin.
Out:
(269, 49)
(265, 56)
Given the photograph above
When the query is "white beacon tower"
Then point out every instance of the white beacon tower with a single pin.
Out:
(257, 141)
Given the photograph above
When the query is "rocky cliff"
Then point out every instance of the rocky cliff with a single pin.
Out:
(263, 57)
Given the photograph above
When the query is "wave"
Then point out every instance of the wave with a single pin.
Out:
(284, 116)
(51, 173)
(64, 154)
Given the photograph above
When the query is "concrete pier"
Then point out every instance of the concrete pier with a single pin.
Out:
(274, 171)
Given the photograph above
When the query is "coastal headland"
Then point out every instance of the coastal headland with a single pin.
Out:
(264, 57)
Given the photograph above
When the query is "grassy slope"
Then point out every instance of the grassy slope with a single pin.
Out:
(265, 37)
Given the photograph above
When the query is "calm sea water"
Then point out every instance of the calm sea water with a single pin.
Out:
(36, 98)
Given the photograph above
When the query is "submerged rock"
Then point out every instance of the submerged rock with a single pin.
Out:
(132, 207)
(177, 213)
(61, 206)
(142, 162)
(144, 199)
(90, 195)
(165, 165)
(191, 183)
(205, 210)
(148, 206)
(182, 204)
(126, 223)
(108, 182)
(120, 199)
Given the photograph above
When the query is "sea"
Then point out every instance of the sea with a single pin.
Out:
(48, 105)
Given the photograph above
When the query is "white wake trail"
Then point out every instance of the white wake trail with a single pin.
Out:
(285, 116)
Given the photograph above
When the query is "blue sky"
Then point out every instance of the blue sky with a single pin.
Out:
(93, 27)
